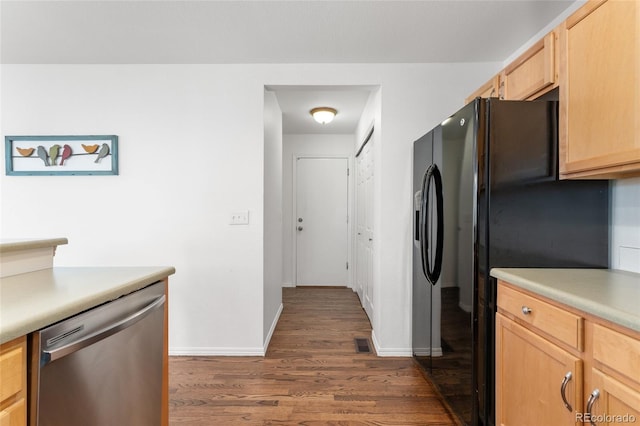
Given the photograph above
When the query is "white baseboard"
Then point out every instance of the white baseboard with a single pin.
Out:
(383, 352)
(217, 351)
(465, 307)
(272, 328)
(427, 351)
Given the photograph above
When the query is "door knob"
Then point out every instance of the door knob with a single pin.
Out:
(299, 219)
(299, 228)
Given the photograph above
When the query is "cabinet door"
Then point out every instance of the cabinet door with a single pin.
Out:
(488, 90)
(533, 73)
(600, 90)
(14, 415)
(615, 404)
(13, 382)
(529, 377)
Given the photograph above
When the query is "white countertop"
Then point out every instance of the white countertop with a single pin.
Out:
(10, 245)
(609, 294)
(37, 299)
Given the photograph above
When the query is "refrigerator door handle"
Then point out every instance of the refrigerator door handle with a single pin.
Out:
(431, 272)
(422, 225)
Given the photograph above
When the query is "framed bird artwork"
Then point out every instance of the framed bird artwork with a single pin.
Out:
(61, 155)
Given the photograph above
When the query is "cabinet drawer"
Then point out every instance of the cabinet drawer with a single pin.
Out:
(11, 371)
(617, 351)
(564, 326)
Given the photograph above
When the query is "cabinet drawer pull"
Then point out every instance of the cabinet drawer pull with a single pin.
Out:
(563, 390)
(526, 310)
(592, 398)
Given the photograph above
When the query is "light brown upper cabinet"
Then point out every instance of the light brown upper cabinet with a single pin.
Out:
(533, 73)
(491, 89)
(600, 91)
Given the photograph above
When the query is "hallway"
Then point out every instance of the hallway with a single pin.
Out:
(311, 375)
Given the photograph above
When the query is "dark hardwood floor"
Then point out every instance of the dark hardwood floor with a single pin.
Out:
(311, 375)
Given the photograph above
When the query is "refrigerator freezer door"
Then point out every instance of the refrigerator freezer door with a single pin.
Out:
(423, 316)
(442, 312)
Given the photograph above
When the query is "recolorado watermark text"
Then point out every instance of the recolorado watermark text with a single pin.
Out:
(605, 418)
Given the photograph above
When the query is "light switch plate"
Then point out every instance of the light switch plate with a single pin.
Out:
(240, 218)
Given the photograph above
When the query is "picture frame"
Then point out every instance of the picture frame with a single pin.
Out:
(61, 155)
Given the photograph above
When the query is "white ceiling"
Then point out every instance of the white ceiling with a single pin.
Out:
(296, 103)
(266, 31)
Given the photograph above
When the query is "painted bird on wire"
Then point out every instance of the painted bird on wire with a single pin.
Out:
(42, 154)
(53, 153)
(104, 151)
(66, 153)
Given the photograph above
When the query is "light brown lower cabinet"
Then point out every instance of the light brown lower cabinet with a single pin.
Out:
(612, 402)
(13, 382)
(530, 372)
(545, 377)
(616, 357)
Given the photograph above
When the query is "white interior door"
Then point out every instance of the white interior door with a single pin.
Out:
(360, 270)
(364, 235)
(321, 221)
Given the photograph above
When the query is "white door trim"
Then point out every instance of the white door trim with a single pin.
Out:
(293, 224)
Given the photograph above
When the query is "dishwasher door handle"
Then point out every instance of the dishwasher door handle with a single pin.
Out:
(48, 356)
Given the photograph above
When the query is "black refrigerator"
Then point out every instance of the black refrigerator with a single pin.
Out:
(486, 194)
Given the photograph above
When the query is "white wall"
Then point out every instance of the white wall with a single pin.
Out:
(192, 152)
(307, 145)
(625, 229)
(272, 244)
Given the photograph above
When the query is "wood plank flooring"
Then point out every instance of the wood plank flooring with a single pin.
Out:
(310, 376)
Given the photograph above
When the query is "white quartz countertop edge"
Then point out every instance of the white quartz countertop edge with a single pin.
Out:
(612, 295)
(13, 245)
(34, 300)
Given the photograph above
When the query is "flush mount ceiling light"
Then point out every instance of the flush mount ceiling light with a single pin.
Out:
(323, 115)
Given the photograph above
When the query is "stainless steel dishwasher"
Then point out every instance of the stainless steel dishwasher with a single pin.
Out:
(103, 367)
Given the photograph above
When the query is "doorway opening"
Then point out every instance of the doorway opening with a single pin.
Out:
(308, 147)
